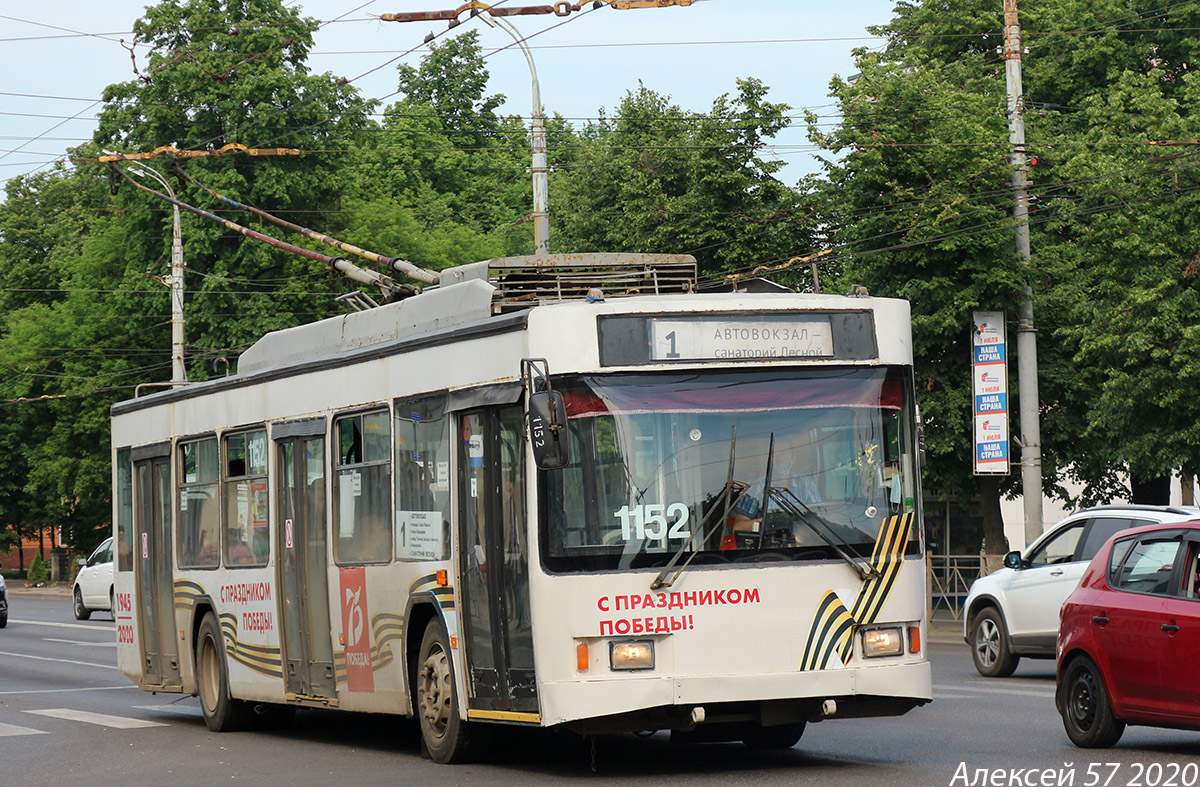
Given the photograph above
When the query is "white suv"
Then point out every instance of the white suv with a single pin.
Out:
(94, 583)
(1013, 612)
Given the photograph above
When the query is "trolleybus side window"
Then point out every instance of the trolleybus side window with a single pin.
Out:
(124, 511)
(422, 479)
(199, 539)
(362, 510)
(247, 540)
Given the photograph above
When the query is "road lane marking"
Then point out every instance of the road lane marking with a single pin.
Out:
(66, 691)
(81, 642)
(60, 661)
(102, 719)
(988, 690)
(7, 730)
(84, 626)
(179, 710)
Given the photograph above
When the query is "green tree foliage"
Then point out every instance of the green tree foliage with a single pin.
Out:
(445, 160)
(654, 178)
(222, 72)
(917, 203)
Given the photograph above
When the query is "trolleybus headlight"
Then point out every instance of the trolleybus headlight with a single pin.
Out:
(882, 642)
(631, 655)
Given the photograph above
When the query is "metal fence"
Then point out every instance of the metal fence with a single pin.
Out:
(950, 577)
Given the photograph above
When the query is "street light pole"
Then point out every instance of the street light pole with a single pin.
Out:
(537, 133)
(178, 369)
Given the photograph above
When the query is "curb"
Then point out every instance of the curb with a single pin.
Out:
(55, 591)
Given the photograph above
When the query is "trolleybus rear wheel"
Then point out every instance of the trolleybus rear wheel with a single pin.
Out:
(221, 712)
(447, 737)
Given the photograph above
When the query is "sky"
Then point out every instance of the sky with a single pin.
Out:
(57, 56)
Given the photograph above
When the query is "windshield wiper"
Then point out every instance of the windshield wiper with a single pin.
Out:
(727, 498)
(795, 507)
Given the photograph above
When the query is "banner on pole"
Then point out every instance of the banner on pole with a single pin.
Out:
(989, 373)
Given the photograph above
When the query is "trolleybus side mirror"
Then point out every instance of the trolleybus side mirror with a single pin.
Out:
(548, 430)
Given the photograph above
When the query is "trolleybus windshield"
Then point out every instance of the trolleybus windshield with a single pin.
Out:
(650, 462)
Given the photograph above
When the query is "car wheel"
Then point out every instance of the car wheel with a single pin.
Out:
(112, 602)
(990, 650)
(783, 736)
(81, 611)
(446, 737)
(3, 619)
(1087, 715)
(221, 712)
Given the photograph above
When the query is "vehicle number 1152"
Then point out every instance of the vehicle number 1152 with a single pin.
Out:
(654, 520)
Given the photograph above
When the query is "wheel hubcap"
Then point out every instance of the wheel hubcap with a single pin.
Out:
(987, 643)
(435, 691)
(208, 677)
(1083, 701)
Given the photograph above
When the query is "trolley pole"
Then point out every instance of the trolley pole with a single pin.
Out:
(1027, 383)
(178, 369)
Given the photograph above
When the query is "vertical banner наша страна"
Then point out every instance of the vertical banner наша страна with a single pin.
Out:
(989, 375)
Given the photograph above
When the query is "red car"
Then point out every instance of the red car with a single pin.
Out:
(1129, 639)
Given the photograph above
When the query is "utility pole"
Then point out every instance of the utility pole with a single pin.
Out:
(1027, 383)
(178, 369)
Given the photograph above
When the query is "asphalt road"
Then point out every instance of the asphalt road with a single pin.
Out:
(67, 714)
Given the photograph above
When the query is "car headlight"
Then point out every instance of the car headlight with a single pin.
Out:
(882, 642)
(631, 655)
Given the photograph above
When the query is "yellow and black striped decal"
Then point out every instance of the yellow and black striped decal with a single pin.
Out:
(263, 659)
(429, 584)
(186, 593)
(833, 625)
(388, 627)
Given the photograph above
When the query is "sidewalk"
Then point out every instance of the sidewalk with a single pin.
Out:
(944, 629)
(17, 589)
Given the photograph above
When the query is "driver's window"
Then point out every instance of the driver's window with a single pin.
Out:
(1060, 548)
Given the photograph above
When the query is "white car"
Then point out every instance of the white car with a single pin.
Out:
(94, 583)
(1013, 612)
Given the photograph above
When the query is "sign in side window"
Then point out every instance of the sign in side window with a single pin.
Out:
(363, 505)
(247, 536)
(199, 538)
(422, 479)
(669, 338)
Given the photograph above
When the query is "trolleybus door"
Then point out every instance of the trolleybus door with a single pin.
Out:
(152, 523)
(494, 562)
(303, 578)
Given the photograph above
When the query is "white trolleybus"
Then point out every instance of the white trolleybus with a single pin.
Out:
(498, 502)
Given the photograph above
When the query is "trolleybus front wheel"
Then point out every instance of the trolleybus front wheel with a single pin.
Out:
(221, 712)
(447, 737)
